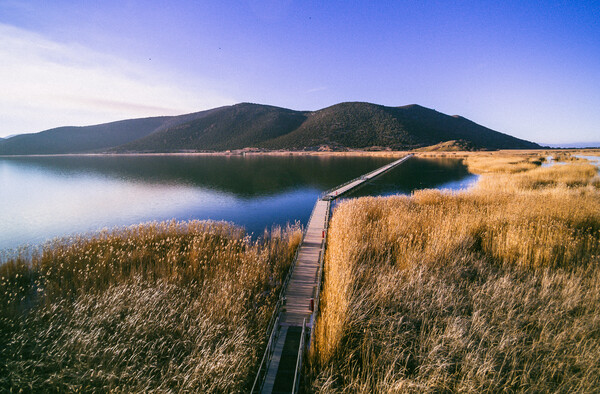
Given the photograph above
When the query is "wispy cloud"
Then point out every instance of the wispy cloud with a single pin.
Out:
(315, 90)
(45, 84)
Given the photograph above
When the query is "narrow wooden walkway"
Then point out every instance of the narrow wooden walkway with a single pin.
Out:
(299, 306)
(299, 301)
(354, 183)
(303, 284)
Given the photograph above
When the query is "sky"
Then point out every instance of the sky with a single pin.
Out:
(530, 69)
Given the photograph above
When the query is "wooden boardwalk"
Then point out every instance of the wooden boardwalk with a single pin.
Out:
(298, 308)
(346, 187)
(299, 301)
(302, 286)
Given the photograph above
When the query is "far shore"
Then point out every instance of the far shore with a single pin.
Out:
(379, 153)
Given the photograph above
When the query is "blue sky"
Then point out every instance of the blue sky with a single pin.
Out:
(529, 69)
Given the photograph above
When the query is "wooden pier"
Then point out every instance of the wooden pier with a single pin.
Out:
(297, 309)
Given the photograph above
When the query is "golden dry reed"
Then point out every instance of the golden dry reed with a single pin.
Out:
(159, 307)
(488, 290)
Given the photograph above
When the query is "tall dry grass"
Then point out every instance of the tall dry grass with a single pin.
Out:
(504, 162)
(156, 307)
(493, 289)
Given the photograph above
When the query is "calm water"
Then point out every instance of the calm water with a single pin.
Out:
(595, 160)
(45, 197)
(417, 174)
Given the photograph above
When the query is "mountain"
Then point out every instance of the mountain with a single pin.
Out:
(362, 125)
(353, 125)
(79, 139)
(95, 138)
(239, 126)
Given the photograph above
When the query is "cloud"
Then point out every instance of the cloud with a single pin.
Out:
(45, 84)
(115, 105)
(315, 90)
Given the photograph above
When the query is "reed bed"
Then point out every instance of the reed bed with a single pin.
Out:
(484, 163)
(159, 307)
(493, 289)
(566, 157)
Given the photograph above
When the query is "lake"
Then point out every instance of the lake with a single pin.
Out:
(46, 197)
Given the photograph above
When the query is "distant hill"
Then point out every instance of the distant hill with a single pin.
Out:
(95, 138)
(362, 125)
(79, 139)
(353, 125)
(449, 146)
(571, 145)
(239, 126)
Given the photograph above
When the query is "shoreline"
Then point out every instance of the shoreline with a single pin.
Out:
(385, 153)
(225, 153)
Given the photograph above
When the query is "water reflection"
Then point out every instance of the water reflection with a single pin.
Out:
(595, 160)
(549, 162)
(419, 173)
(45, 197)
(248, 176)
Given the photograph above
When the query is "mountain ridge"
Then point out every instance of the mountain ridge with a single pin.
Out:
(347, 125)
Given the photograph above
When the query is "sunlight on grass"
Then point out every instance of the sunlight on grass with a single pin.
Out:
(491, 289)
(174, 306)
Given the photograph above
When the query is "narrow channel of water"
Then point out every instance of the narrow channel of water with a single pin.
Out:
(595, 160)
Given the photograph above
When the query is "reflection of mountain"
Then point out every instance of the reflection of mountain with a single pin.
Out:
(248, 176)
(253, 176)
(415, 174)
